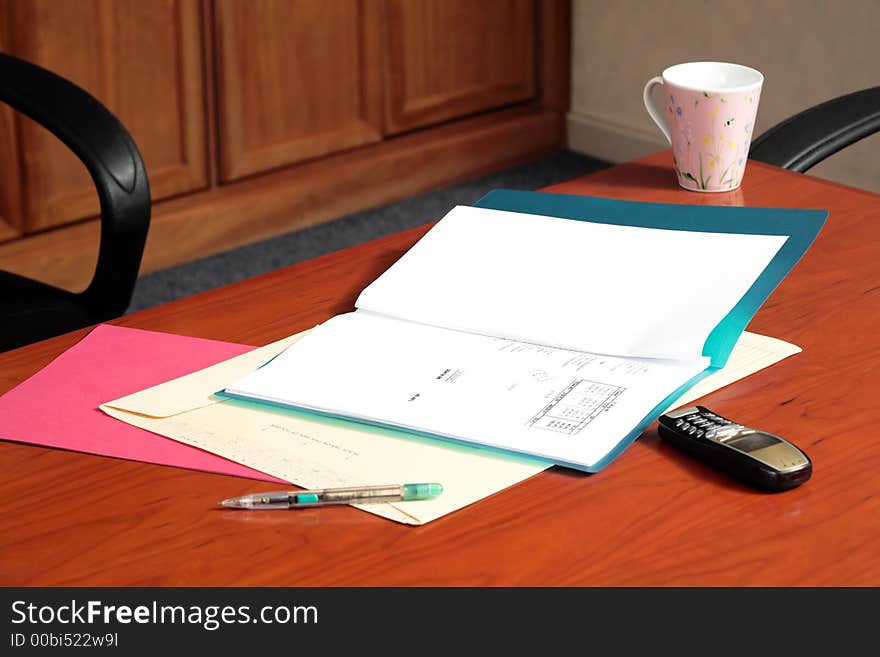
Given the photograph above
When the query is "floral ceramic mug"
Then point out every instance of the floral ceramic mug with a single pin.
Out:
(708, 114)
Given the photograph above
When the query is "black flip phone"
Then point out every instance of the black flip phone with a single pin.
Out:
(759, 458)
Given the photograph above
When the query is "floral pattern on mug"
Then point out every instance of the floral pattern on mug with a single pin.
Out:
(711, 134)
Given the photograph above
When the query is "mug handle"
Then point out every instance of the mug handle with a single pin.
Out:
(655, 112)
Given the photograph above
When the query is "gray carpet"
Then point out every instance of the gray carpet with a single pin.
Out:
(244, 262)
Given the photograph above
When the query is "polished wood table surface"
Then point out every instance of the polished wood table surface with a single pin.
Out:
(653, 517)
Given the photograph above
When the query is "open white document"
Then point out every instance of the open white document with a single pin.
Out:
(546, 337)
(568, 406)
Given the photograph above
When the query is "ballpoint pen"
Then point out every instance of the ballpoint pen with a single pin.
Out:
(296, 499)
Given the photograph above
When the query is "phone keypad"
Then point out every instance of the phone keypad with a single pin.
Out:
(713, 427)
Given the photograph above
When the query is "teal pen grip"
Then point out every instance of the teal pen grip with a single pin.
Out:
(420, 491)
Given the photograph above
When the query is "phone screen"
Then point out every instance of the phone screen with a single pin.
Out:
(753, 442)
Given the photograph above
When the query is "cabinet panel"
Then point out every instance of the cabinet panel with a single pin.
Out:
(297, 79)
(449, 58)
(10, 178)
(143, 60)
(10, 190)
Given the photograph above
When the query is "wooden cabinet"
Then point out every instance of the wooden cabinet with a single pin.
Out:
(260, 117)
(143, 60)
(450, 58)
(297, 79)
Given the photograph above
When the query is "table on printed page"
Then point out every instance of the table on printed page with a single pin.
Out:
(654, 517)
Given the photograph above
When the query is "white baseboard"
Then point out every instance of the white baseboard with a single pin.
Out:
(609, 141)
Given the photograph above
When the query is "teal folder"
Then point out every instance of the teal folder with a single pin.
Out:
(800, 227)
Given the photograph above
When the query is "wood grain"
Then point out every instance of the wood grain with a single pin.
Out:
(141, 60)
(653, 517)
(297, 79)
(554, 54)
(450, 58)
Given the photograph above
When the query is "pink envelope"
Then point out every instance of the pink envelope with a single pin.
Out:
(58, 406)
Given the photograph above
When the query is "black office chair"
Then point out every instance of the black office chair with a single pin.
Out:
(809, 137)
(31, 310)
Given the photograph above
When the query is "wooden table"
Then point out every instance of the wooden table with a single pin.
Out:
(653, 517)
